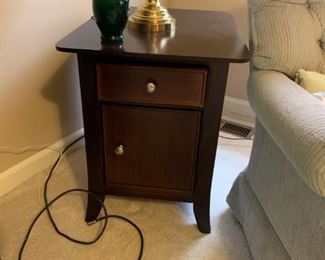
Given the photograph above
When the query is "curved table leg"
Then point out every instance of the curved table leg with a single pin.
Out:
(94, 207)
(202, 215)
(91, 109)
(215, 91)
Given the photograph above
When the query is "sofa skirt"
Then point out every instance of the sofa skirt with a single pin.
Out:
(281, 216)
(263, 241)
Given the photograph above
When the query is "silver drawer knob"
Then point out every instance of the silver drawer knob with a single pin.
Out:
(151, 87)
(119, 150)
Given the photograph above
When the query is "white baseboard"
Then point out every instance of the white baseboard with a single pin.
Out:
(21, 172)
(238, 110)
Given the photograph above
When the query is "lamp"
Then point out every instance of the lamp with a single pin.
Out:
(152, 17)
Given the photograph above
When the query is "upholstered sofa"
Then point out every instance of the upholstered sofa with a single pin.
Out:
(279, 199)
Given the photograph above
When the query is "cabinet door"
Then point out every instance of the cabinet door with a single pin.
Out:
(150, 147)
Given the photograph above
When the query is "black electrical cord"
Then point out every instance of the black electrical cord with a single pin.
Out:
(49, 203)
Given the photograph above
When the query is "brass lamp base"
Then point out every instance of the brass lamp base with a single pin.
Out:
(152, 17)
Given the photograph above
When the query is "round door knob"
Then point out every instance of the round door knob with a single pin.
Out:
(151, 87)
(119, 150)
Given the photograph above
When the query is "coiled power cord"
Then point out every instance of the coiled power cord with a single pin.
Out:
(49, 203)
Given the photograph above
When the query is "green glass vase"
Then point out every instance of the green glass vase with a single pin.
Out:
(111, 17)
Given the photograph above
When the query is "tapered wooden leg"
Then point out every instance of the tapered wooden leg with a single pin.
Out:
(91, 109)
(94, 207)
(202, 215)
(216, 83)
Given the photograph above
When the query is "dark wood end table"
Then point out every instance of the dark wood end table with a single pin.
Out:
(152, 108)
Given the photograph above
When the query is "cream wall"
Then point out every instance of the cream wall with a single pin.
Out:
(39, 95)
(238, 73)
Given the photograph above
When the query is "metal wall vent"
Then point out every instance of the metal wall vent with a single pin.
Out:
(236, 129)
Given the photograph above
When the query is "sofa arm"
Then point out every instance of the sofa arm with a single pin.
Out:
(296, 122)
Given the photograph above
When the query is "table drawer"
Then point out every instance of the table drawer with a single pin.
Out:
(156, 85)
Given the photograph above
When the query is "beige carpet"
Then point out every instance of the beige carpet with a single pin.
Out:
(169, 228)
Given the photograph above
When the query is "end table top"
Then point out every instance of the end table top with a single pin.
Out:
(199, 35)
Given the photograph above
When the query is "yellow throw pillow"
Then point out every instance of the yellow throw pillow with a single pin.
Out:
(312, 81)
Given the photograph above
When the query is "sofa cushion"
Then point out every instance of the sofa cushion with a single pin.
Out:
(288, 35)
